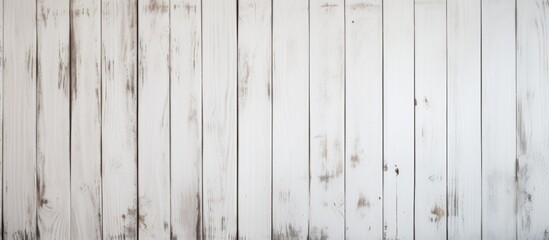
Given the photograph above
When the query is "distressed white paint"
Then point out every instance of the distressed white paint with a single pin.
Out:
(532, 114)
(254, 119)
(464, 119)
(498, 120)
(186, 118)
(290, 191)
(219, 85)
(327, 115)
(53, 116)
(19, 136)
(119, 118)
(430, 119)
(153, 125)
(398, 117)
(364, 114)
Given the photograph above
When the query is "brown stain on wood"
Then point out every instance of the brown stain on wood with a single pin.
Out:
(438, 214)
(521, 132)
(362, 202)
(364, 6)
(157, 6)
(355, 160)
(289, 232)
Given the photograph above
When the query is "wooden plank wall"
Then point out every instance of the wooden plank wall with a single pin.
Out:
(274, 119)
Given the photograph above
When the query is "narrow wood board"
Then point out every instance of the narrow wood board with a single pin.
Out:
(398, 119)
(532, 114)
(290, 189)
(327, 119)
(119, 118)
(364, 119)
(498, 120)
(53, 119)
(464, 119)
(186, 118)
(19, 136)
(219, 81)
(430, 119)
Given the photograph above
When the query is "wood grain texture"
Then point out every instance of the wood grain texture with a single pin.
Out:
(430, 119)
(153, 125)
(186, 118)
(364, 114)
(119, 118)
(219, 81)
(498, 120)
(85, 40)
(290, 189)
(254, 119)
(532, 113)
(53, 116)
(327, 119)
(398, 117)
(464, 119)
(19, 136)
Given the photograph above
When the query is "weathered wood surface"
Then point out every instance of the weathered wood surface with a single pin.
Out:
(363, 119)
(430, 119)
(464, 119)
(254, 119)
(119, 118)
(274, 119)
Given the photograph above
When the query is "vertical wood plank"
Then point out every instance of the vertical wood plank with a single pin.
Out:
(1, 106)
(85, 143)
(254, 119)
(464, 120)
(498, 120)
(532, 114)
(290, 119)
(220, 118)
(19, 149)
(119, 110)
(186, 119)
(53, 112)
(327, 116)
(153, 119)
(398, 101)
(364, 114)
(430, 119)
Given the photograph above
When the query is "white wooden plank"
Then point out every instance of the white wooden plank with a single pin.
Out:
(498, 120)
(464, 119)
(53, 112)
(119, 110)
(86, 119)
(186, 119)
(532, 114)
(327, 87)
(254, 119)
(364, 114)
(19, 149)
(219, 71)
(1, 103)
(430, 119)
(290, 188)
(153, 119)
(398, 105)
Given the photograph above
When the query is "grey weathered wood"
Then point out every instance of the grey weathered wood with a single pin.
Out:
(219, 81)
(464, 119)
(290, 188)
(254, 119)
(19, 136)
(186, 119)
(430, 119)
(119, 118)
(327, 119)
(532, 114)
(85, 45)
(53, 116)
(363, 173)
(398, 117)
(498, 120)
(153, 119)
